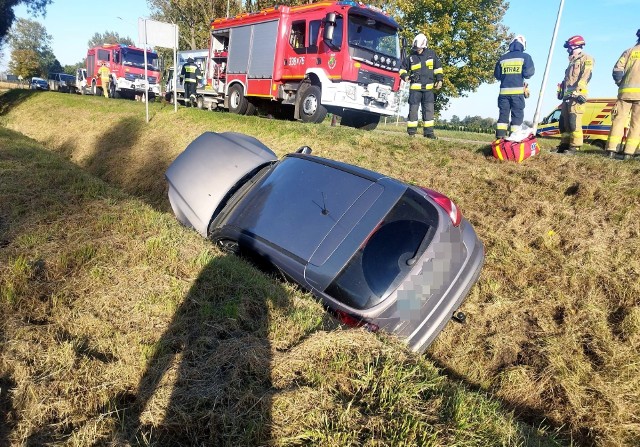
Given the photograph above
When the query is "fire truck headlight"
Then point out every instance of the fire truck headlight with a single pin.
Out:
(351, 92)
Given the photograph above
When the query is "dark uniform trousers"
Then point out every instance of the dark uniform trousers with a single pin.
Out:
(424, 98)
(510, 105)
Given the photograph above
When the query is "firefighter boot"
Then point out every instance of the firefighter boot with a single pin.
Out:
(562, 148)
(431, 136)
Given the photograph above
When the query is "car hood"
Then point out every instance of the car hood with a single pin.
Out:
(211, 167)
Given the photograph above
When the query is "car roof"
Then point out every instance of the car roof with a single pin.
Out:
(303, 199)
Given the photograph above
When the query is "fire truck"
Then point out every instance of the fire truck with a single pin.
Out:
(304, 61)
(126, 64)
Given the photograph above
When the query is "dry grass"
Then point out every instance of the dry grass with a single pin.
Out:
(121, 327)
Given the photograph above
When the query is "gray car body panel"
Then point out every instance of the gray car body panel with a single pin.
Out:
(307, 216)
(201, 177)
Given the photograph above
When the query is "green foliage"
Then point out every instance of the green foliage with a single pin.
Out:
(7, 15)
(31, 53)
(467, 35)
(193, 18)
(108, 37)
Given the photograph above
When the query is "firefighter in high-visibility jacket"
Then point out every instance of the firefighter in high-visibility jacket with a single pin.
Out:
(105, 78)
(424, 70)
(511, 70)
(190, 76)
(626, 75)
(573, 93)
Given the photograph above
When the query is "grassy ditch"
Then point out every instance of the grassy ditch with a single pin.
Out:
(119, 326)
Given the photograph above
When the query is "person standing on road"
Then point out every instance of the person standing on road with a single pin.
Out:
(190, 76)
(423, 68)
(626, 75)
(511, 70)
(573, 92)
(105, 78)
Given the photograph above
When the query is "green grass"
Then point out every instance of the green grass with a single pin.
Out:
(117, 325)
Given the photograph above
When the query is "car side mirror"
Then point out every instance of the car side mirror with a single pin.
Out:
(306, 150)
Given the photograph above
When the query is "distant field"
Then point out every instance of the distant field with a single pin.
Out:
(118, 326)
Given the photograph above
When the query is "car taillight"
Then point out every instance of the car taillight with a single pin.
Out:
(446, 204)
(353, 321)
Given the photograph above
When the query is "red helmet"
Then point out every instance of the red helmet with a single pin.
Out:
(574, 41)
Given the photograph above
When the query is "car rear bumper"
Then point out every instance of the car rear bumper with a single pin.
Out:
(452, 299)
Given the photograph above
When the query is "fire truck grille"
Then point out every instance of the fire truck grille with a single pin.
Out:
(133, 77)
(366, 78)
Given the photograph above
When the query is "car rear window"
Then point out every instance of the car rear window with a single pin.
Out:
(380, 264)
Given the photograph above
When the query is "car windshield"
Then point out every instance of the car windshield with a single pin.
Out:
(135, 58)
(370, 34)
(380, 264)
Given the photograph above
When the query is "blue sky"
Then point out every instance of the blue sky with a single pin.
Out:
(608, 26)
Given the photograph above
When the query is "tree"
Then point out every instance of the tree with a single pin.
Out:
(7, 17)
(193, 17)
(107, 38)
(467, 35)
(31, 53)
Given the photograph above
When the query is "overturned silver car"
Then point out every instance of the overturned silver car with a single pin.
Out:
(378, 252)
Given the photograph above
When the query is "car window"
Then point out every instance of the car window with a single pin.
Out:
(298, 204)
(380, 264)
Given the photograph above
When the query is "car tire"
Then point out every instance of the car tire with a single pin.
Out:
(310, 105)
(238, 103)
(200, 102)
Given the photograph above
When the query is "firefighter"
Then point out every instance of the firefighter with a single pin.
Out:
(423, 68)
(626, 75)
(190, 76)
(511, 70)
(105, 78)
(573, 93)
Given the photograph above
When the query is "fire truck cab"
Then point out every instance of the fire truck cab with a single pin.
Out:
(126, 64)
(341, 57)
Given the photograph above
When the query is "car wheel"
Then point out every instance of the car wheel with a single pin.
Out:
(251, 108)
(600, 144)
(200, 102)
(311, 108)
(238, 103)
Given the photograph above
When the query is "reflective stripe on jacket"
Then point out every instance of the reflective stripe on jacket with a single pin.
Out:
(512, 69)
(626, 74)
(424, 69)
(578, 74)
(190, 72)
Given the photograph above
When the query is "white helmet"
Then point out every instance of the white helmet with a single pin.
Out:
(520, 38)
(420, 41)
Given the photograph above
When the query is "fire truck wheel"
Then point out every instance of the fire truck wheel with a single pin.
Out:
(251, 109)
(200, 102)
(311, 109)
(237, 101)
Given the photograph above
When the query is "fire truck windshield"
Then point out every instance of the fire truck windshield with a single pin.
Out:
(135, 58)
(367, 33)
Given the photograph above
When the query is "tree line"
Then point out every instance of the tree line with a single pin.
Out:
(31, 53)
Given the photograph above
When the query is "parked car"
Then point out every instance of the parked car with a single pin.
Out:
(38, 84)
(62, 82)
(378, 252)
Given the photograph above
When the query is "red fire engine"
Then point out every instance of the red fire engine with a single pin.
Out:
(126, 64)
(341, 57)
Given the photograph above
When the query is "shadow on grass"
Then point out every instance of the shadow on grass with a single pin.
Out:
(207, 380)
(13, 98)
(115, 160)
